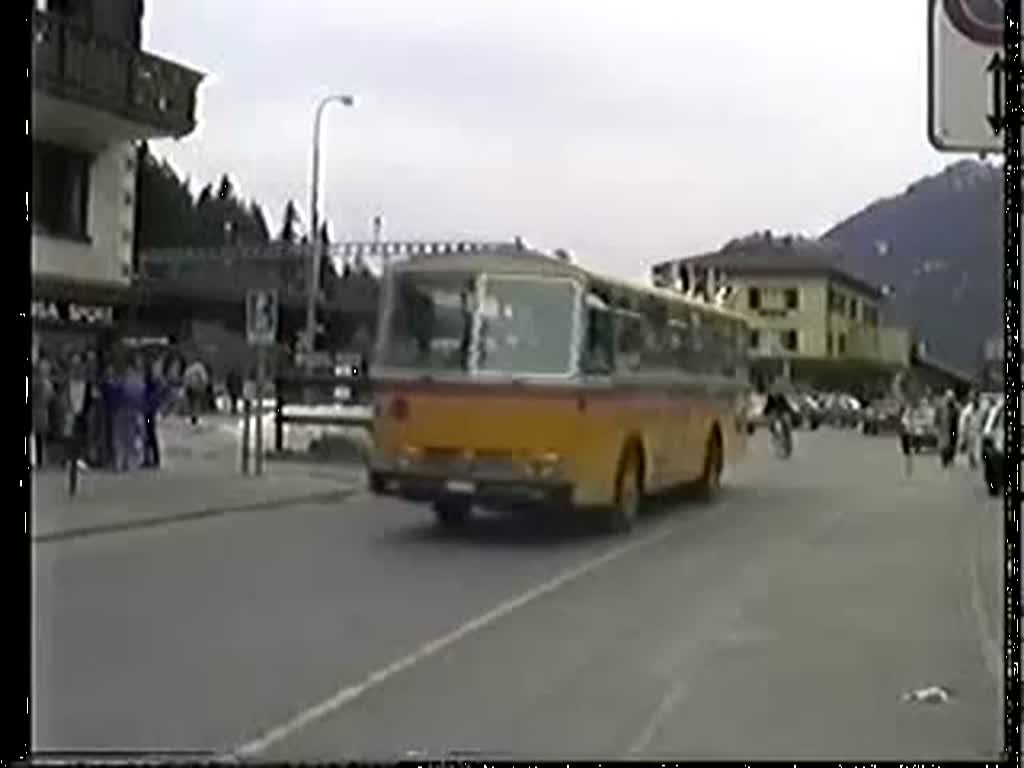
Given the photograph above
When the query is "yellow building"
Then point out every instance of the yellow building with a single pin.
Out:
(810, 319)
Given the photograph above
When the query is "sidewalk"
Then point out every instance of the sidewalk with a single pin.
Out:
(200, 477)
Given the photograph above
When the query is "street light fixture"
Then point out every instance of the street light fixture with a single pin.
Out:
(344, 100)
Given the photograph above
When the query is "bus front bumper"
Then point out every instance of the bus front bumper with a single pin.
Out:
(487, 491)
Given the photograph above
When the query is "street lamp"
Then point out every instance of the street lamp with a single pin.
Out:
(344, 100)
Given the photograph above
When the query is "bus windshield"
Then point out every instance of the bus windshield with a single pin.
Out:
(429, 322)
(526, 325)
(475, 323)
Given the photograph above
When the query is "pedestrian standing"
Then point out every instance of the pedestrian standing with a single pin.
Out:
(80, 398)
(949, 415)
(905, 429)
(119, 419)
(134, 402)
(92, 444)
(110, 387)
(153, 398)
(174, 370)
(971, 428)
(196, 381)
(234, 387)
(55, 417)
(905, 442)
(42, 394)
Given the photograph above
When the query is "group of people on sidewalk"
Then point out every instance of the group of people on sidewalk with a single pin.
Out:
(958, 425)
(102, 410)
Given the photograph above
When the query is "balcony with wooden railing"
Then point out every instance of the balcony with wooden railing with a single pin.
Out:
(69, 62)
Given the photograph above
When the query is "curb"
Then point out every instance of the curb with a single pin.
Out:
(154, 522)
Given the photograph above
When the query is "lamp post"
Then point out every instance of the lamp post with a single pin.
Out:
(344, 100)
(378, 223)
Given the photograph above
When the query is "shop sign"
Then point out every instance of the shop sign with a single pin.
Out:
(72, 312)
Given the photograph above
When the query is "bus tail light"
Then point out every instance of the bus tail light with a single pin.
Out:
(399, 409)
(581, 404)
(547, 465)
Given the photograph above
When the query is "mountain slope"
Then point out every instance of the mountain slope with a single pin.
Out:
(939, 245)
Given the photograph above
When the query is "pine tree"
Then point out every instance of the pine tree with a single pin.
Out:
(261, 232)
(289, 223)
(169, 216)
(225, 190)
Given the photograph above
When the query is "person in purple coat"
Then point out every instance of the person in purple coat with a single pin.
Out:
(110, 394)
(154, 399)
(128, 412)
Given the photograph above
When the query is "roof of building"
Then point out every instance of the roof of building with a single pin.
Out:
(762, 254)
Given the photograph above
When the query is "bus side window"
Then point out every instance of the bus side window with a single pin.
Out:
(631, 337)
(723, 359)
(656, 354)
(599, 347)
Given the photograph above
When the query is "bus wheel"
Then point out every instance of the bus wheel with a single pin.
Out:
(711, 478)
(452, 511)
(628, 493)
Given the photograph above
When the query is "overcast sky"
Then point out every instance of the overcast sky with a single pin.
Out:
(627, 131)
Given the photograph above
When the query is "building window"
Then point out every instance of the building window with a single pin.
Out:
(792, 298)
(79, 10)
(829, 342)
(853, 309)
(789, 340)
(60, 190)
(842, 344)
(836, 301)
(755, 339)
(871, 316)
(754, 298)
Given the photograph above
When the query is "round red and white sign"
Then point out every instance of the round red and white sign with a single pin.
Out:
(980, 21)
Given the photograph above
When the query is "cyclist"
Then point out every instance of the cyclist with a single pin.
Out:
(778, 408)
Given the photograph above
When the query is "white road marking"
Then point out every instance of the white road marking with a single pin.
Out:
(989, 646)
(657, 720)
(348, 694)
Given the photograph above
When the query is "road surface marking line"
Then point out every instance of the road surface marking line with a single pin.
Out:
(989, 647)
(657, 720)
(350, 693)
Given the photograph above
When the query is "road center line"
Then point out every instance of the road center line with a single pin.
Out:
(657, 720)
(348, 694)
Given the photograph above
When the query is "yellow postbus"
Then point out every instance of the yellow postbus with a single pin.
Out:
(507, 377)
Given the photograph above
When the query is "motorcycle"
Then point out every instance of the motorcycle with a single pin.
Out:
(782, 438)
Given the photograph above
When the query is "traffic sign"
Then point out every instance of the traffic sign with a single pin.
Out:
(966, 107)
(261, 318)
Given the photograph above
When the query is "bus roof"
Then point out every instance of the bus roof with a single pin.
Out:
(515, 260)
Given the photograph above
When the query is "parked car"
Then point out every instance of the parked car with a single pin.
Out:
(881, 418)
(843, 411)
(808, 411)
(993, 456)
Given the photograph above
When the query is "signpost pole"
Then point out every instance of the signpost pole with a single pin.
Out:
(261, 329)
(246, 435)
(260, 391)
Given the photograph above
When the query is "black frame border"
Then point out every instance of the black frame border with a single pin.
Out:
(1012, 379)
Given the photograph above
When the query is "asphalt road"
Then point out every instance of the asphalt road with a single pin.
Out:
(786, 620)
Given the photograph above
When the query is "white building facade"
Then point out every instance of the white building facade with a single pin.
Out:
(96, 94)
